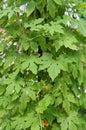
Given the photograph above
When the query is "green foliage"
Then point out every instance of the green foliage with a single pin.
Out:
(42, 66)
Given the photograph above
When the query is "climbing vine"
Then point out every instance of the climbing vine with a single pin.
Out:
(42, 65)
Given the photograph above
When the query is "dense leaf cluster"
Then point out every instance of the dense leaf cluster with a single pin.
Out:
(42, 65)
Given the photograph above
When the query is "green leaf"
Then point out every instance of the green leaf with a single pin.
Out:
(82, 27)
(58, 2)
(53, 71)
(5, 12)
(50, 117)
(81, 69)
(45, 65)
(66, 105)
(8, 127)
(64, 125)
(56, 27)
(58, 101)
(2, 90)
(66, 18)
(64, 89)
(55, 127)
(33, 24)
(71, 98)
(34, 46)
(82, 100)
(72, 126)
(35, 125)
(23, 101)
(73, 117)
(25, 43)
(40, 5)
(15, 96)
(68, 40)
(31, 94)
(78, 120)
(2, 112)
(18, 84)
(57, 45)
(10, 15)
(80, 6)
(17, 87)
(28, 121)
(33, 68)
(46, 61)
(53, 28)
(8, 62)
(25, 64)
(51, 6)
(74, 71)
(10, 89)
(43, 104)
(2, 45)
(30, 8)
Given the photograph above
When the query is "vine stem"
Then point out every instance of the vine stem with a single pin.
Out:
(40, 121)
(35, 37)
(39, 116)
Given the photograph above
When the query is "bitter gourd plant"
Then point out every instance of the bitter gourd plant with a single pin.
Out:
(42, 65)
